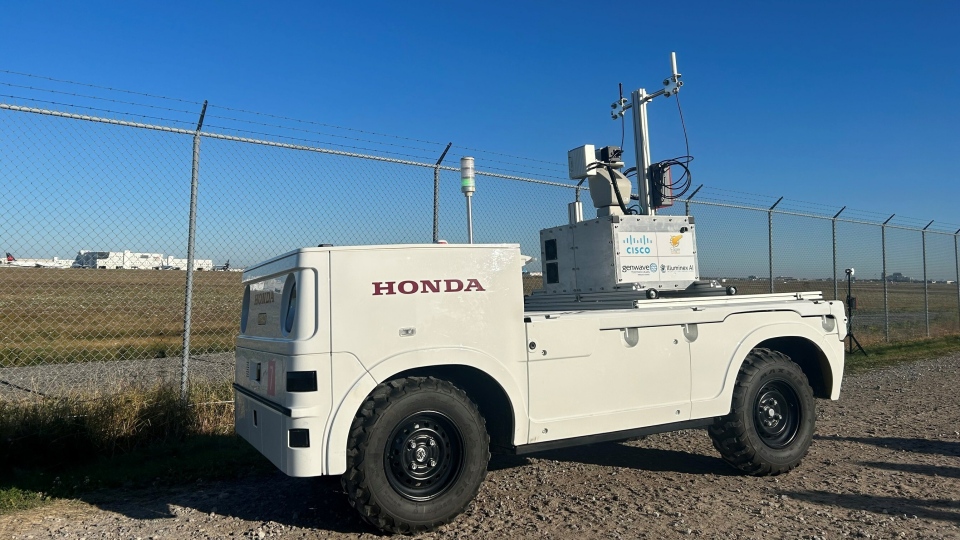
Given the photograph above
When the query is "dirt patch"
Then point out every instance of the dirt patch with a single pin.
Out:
(885, 463)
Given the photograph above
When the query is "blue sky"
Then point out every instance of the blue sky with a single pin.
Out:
(840, 103)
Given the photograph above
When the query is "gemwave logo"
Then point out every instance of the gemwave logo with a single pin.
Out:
(642, 269)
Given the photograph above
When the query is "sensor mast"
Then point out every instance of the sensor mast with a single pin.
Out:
(641, 136)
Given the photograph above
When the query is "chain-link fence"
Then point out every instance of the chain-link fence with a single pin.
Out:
(100, 289)
(904, 273)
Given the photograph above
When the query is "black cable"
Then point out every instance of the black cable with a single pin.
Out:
(616, 190)
(683, 124)
(682, 185)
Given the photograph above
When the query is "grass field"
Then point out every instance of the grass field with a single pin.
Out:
(55, 316)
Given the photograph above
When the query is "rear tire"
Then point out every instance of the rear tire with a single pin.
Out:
(772, 418)
(416, 456)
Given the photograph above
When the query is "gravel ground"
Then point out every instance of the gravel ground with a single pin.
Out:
(31, 382)
(885, 464)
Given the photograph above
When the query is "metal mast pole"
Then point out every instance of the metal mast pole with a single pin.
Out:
(641, 134)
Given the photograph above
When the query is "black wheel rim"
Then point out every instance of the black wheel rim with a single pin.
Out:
(777, 413)
(424, 456)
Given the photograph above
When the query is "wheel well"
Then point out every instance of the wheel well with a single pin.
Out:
(483, 390)
(810, 359)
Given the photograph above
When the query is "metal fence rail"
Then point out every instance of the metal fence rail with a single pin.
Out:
(117, 198)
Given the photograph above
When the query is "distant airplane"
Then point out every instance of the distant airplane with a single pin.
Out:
(12, 261)
(224, 268)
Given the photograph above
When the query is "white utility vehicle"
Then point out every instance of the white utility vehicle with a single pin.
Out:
(401, 367)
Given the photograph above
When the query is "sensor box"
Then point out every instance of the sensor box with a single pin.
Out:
(620, 253)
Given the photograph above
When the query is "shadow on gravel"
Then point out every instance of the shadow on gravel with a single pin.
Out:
(927, 470)
(940, 509)
(920, 446)
(626, 456)
(314, 503)
(320, 504)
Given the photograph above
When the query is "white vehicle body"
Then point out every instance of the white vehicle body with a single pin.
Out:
(401, 367)
(541, 379)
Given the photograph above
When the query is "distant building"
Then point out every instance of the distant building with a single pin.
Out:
(118, 260)
(128, 260)
(899, 278)
(181, 264)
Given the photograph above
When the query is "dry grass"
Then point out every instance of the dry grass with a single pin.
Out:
(72, 428)
(142, 436)
(52, 316)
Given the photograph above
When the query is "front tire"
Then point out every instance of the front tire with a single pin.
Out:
(416, 456)
(772, 419)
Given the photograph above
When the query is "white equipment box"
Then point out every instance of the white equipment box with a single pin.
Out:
(620, 252)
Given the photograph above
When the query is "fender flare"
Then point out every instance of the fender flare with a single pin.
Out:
(385, 369)
(781, 330)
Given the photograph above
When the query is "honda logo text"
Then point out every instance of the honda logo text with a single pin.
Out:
(426, 286)
(263, 298)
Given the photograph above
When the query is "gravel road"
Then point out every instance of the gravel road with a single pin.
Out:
(885, 464)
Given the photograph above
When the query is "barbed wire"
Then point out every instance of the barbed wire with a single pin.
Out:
(554, 163)
(88, 108)
(98, 98)
(315, 141)
(88, 85)
(520, 167)
(311, 122)
(317, 132)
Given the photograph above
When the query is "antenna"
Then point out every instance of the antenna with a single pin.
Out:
(641, 135)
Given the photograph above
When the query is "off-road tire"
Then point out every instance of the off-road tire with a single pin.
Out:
(772, 418)
(408, 489)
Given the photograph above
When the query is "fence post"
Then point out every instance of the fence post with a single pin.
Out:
(883, 275)
(191, 236)
(770, 240)
(836, 294)
(436, 195)
(956, 260)
(926, 295)
(686, 203)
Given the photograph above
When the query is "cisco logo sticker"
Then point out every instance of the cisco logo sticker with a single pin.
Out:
(638, 244)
